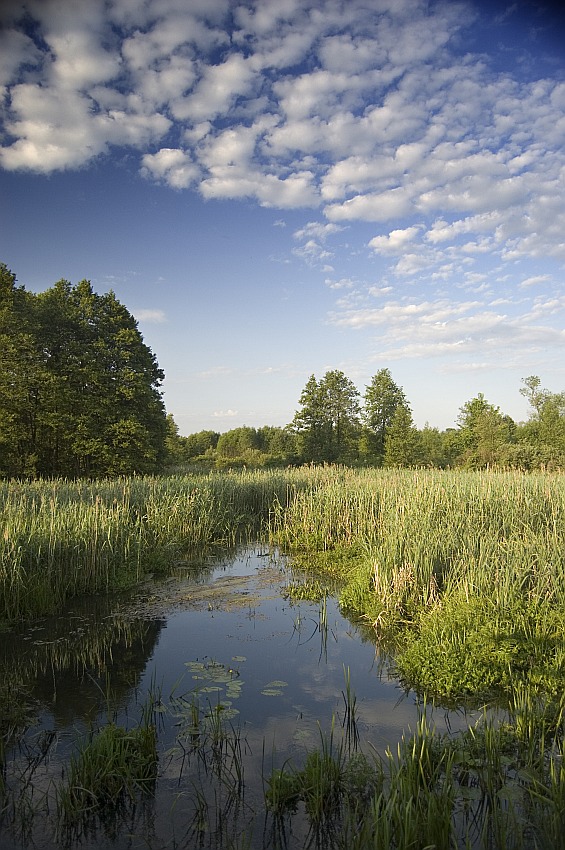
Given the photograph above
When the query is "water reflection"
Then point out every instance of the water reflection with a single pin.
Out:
(66, 666)
(220, 641)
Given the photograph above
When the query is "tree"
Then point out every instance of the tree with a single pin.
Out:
(403, 445)
(279, 444)
(382, 397)
(173, 442)
(484, 432)
(436, 447)
(328, 423)
(238, 443)
(200, 443)
(545, 430)
(80, 394)
(21, 377)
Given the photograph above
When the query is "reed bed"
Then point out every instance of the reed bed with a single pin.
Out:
(466, 565)
(496, 532)
(61, 539)
(461, 574)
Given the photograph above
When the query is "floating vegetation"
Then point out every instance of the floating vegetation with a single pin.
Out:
(274, 689)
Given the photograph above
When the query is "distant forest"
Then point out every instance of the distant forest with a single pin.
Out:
(80, 397)
(334, 424)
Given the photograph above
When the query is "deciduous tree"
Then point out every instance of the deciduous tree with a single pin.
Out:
(403, 446)
(79, 389)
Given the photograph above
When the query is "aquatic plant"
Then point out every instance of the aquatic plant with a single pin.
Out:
(113, 766)
(60, 539)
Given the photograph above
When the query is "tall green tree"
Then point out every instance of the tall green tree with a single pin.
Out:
(173, 442)
(22, 376)
(545, 431)
(403, 445)
(328, 423)
(484, 431)
(88, 399)
(106, 413)
(381, 400)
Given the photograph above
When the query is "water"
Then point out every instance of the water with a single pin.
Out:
(224, 635)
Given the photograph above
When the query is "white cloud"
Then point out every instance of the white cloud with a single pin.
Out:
(217, 89)
(225, 414)
(151, 316)
(536, 280)
(343, 283)
(172, 166)
(368, 112)
(317, 230)
(395, 242)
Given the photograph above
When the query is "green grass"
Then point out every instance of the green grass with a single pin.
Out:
(487, 787)
(61, 539)
(460, 574)
(112, 768)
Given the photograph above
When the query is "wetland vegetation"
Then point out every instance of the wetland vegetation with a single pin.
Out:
(458, 576)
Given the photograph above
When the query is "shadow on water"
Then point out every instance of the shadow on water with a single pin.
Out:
(236, 680)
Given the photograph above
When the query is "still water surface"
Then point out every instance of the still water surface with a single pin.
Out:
(224, 634)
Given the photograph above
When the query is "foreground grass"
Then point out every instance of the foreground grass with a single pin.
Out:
(495, 786)
(461, 574)
(490, 787)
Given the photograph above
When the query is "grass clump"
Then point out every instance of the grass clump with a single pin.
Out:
(109, 772)
(328, 784)
(467, 647)
(496, 785)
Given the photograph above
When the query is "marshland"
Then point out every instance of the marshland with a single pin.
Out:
(316, 656)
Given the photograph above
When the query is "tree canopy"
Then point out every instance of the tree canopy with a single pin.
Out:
(334, 425)
(327, 424)
(79, 389)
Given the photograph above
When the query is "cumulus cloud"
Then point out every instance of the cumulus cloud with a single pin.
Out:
(395, 242)
(367, 112)
(172, 166)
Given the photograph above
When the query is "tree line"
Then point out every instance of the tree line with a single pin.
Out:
(80, 397)
(79, 389)
(335, 424)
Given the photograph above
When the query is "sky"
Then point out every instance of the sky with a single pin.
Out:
(278, 188)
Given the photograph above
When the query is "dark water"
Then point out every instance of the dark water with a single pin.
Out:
(223, 635)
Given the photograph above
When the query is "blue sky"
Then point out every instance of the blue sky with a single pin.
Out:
(275, 188)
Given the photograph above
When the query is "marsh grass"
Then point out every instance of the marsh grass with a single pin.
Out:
(110, 771)
(461, 574)
(60, 539)
(485, 787)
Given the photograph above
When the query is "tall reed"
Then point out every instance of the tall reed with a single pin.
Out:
(59, 539)
(466, 569)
